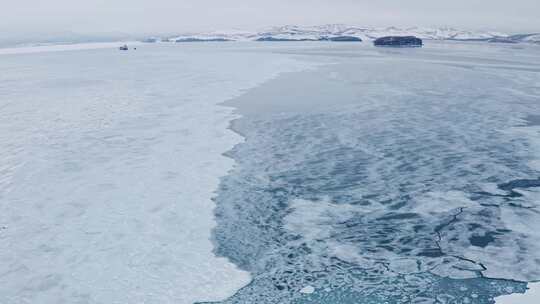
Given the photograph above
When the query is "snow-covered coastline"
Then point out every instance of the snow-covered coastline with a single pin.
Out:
(329, 32)
(324, 32)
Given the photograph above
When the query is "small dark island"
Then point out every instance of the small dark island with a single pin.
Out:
(399, 41)
(342, 39)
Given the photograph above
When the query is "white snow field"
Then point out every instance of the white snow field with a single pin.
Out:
(108, 164)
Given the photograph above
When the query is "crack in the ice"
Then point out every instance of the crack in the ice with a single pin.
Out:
(439, 239)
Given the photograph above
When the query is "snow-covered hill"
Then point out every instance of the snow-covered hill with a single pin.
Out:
(316, 32)
(330, 31)
(531, 38)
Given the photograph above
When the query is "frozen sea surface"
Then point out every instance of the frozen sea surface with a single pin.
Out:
(388, 176)
(356, 174)
(108, 164)
(33, 49)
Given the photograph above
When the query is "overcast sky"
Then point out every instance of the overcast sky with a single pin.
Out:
(160, 16)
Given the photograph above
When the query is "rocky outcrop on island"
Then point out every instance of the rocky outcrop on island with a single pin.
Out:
(399, 41)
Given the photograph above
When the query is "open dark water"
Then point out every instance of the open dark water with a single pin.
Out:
(402, 176)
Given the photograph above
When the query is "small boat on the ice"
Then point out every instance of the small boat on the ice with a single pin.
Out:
(124, 47)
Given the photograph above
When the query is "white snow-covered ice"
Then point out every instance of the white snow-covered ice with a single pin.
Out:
(532, 296)
(108, 164)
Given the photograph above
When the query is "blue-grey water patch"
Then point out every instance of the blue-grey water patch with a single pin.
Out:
(532, 120)
(395, 187)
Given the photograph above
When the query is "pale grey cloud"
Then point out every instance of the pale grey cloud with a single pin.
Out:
(147, 16)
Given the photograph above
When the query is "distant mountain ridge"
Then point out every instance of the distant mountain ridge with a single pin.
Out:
(333, 31)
